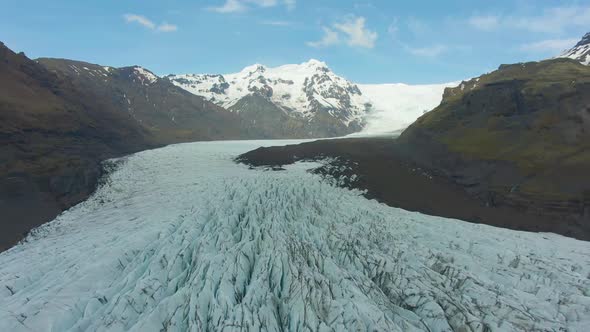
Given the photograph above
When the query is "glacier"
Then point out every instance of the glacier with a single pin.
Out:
(302, 88)
(182, 238)
(396, 106)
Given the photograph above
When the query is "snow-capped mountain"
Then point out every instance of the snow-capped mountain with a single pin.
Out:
(291, 101)
(309, 90)
(580, 52)
(312, 91)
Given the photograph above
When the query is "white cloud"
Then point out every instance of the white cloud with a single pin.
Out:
(236, 6)
(417, 26)
(230, 6)
(277, 23)
(552, 20)
(487, 22)
(330, 38)
(358, 34)
(352, 31)
(147, 23)
(165, 27)
(290, 4)
(263, 3)
(141, 20)
(392, 29)
(430, 51)
(550, 45)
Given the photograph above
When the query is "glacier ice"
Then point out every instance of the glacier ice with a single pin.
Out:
(184, 239)
(396, 106)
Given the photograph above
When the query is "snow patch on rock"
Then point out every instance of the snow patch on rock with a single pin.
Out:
(145, 76)
(580, 52)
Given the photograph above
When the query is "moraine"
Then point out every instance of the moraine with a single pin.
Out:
(182, 238)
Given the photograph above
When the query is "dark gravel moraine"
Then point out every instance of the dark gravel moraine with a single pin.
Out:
(391, 179)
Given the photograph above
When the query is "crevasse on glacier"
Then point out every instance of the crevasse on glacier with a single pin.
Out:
(182, 238)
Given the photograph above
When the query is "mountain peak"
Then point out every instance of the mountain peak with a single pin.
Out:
(580, 52)
(255, 68)
(585, 40)
(144, 75)
(315, 63)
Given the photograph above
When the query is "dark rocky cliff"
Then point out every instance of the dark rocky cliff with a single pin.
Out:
(519, 136)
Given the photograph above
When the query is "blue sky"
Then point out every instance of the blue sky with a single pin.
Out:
(365, 41)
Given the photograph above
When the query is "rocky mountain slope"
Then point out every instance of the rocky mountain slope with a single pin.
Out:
(519, 136)
(580, 52)
(52, 135)
(310, 94)
(170, 114)
(60, 118)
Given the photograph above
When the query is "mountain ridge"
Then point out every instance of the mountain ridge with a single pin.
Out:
(171, 114)
(308, 92)
(59, 119)
(310, 89)
(517, 136)
(580, 52)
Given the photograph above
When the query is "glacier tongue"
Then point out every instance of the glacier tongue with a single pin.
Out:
(181, 238)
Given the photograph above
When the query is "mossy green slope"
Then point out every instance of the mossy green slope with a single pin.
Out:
(519, 135)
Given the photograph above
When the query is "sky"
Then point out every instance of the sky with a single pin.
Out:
(374, 41)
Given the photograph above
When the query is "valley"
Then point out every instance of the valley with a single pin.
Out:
(193, 166)
(61, 118)
(183, 238)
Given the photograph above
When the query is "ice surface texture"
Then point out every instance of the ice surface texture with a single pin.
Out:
(181, 238)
